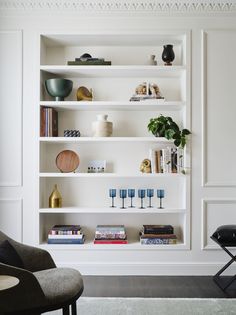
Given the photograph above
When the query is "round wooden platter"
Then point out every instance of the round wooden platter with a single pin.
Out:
(67, 161)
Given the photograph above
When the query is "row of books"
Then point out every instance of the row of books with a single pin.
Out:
(48, 122)
(157, 235)
(167, 160)
(112, 234)
(66, 234)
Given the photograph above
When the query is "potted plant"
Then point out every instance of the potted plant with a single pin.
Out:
(164, 126)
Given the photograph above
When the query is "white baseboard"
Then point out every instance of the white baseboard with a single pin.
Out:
(148, 269)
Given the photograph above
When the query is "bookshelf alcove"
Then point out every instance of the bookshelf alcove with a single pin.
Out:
(85, 196)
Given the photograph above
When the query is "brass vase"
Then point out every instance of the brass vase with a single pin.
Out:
(55, 199)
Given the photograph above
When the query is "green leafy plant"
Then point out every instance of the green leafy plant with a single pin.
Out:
(164, 126)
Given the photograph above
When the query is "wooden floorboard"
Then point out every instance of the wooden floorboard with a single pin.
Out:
(155, 286)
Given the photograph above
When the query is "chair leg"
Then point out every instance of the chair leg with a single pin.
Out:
(73, 308)
(66, 310)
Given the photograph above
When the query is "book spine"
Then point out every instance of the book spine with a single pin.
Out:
(54, 123)
(110, 236)
(180, 160)
(110, 242)
(65, 241)
(174, 160)
(89, 63)
(58, 236)
(42, 121)
(157, 241)
(158, 231)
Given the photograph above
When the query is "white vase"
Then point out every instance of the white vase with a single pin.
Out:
(101, 127)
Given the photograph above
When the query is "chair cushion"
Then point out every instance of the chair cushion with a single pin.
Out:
(226, 235)
(59, 284)
(9, 256)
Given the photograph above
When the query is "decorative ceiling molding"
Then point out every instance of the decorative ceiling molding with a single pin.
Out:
(122, 6)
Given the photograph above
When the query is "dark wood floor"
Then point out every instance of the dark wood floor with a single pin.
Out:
(157, 286)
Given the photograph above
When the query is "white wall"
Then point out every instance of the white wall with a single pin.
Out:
(213, 144)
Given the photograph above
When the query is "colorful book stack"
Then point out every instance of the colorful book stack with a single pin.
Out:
(157, 235)
(168, 160)
(110, 234)
(48, 122)
(66, 234)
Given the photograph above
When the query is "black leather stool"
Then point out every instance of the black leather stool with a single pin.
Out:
(225, 236)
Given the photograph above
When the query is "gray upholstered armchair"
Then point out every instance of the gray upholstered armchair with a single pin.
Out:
(42, 286)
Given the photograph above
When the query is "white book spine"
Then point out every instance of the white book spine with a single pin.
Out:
(152, 158)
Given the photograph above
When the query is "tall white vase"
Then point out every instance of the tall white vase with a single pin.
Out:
(101, 127)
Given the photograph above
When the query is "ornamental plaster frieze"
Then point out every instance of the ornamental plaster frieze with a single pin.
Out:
(122, 6)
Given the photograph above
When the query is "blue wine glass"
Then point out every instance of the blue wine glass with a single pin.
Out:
(150, 194)
(141, 194)
(112, 194)
(123, 195)
(131, 195)
(160, 195)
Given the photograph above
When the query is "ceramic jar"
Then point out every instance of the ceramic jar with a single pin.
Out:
(101, 127)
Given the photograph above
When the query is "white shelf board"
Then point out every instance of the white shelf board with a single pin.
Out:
(133, 245)
(116, 105)
(105, 139)
(116, 210)
(115, 71)
(108, 175)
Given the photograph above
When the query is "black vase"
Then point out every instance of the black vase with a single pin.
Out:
(168, 55)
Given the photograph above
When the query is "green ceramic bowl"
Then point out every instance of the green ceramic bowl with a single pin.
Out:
(59, 88)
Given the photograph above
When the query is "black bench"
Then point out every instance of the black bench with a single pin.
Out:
(225, 236)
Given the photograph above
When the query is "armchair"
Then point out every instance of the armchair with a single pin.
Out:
(42, 286)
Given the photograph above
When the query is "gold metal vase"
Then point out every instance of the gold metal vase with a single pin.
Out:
(55, 199)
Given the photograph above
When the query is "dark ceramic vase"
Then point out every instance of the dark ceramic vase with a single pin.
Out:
(168, 55)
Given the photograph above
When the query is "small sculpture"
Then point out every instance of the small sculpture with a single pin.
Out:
(145, 166)
(83, 94)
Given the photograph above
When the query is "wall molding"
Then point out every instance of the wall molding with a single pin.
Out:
(123, 6)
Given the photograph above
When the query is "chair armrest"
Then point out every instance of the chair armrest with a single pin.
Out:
(27, 294)
(34, 259)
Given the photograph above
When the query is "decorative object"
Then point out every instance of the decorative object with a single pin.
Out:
(71, 133)
(112, 194)
(141, 195)
(168, 55)
(131, 195)
(97, 166)
(164, 126)
(145, 166)
(87, 60)
(150, 194)
(102, 127)
(55, 199)
(152, 61)
(67, 161)
(83, 94)
(123, 195)
(58, 88)
(147, 91)
(160, 195)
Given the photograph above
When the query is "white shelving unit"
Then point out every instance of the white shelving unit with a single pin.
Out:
(85, 195)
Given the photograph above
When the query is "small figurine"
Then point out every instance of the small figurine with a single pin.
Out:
(145, 166)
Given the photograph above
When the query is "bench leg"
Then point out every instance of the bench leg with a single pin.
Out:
(66, 310)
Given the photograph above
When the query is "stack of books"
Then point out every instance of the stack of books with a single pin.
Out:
(89, 62)
(48, 122)
(110, 234)
(157, 235)
(66, 234)
(167, 160)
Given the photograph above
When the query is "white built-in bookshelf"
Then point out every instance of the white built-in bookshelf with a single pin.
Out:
(86, 196)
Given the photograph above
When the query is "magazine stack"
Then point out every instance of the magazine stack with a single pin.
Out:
(66, 234)
(157, 235)
(110, 234)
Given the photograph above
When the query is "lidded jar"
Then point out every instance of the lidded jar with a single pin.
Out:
(101, 127)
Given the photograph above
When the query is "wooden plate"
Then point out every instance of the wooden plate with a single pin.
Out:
(67, 161)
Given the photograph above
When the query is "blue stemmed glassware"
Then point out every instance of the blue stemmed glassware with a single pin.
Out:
(160, 195)
(150, 194)
(141, 195)
(131, 195)
(123, 195)
(112, 194)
